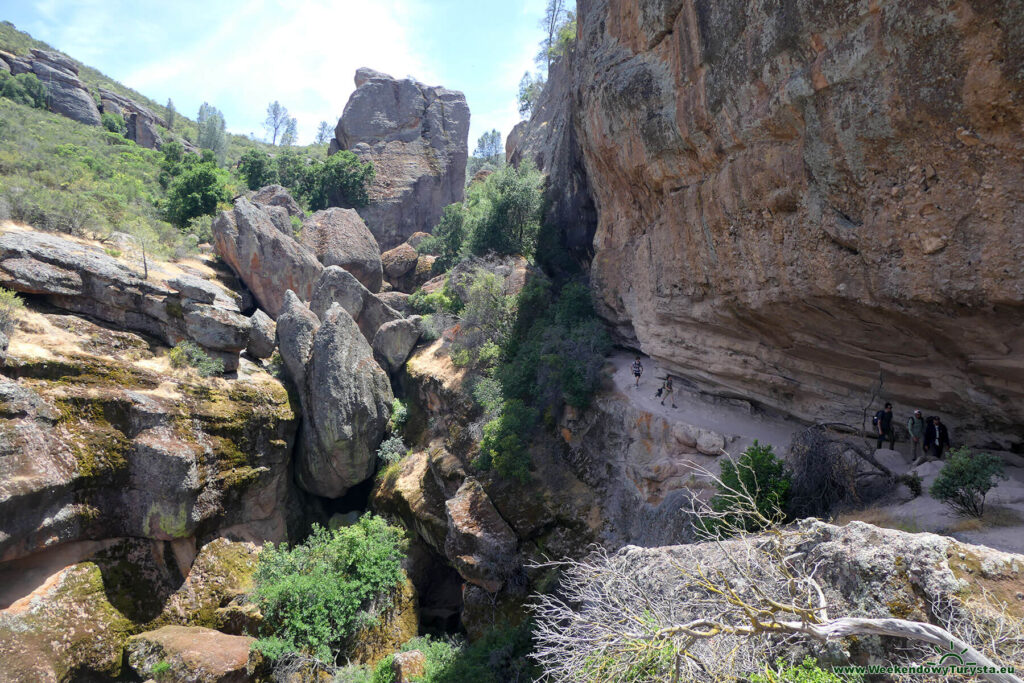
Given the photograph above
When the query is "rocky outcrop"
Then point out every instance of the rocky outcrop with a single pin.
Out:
(82, 278)
(262, 335)
(140, 121)
(268, 261)
(416, 137)
(479, 542)
(337, 285)
(193, 654)
(345, 397)
(278, 195)
(339, 237)
(65, 93)
(395, 340)
(792, 230)
(405, 269)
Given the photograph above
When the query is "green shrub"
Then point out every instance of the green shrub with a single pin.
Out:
(425, 303)
(291, 168)
(507, 211)
(257, 169)
(296, 225)
(807, 671)
(196, 192)
(966, 479)
(499, 656)
(342, 180)
(11, 307)
(506, 437)
(759, 475)
(189, 354)
(392, 449)
(24, 89)
(114, 123)
(399, 415)
(315, 596)
(485, 320)
(447, 238)
(384, 672)
(161, 669)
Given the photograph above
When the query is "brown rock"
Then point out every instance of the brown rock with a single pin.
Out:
(398, 621)
(195, 654)
(277, 195)
(479, 543)
(399, 261)
(417, 237)
(409, 665)
(339, 237)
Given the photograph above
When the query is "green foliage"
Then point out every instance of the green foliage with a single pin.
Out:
(342, 180)
(807, 671)
(485, 320)
(291, 168)
(505, 441)
(315, 596)
(425, 303)
(324, 133)
(257, 169)
(196, 192)
(392, 449)
(114, 123)
(399, 414)
(966, 479)
(211, 131)
(447, 239)
(24, 89)
(172, 113)
(530, 88)
(161, 669)
(189, 354)
(384, 672)
(759, 474)
(11, 307)
(506, 210)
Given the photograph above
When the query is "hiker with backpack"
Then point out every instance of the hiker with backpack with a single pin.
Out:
(882, 421)
(936, 437)
(915, 425)
(667, 391)
(638, 369)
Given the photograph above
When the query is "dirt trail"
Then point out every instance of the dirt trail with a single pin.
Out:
(729, 417)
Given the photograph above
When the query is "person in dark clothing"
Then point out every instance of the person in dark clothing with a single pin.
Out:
(667, 392)
(883, 423)
(915, 427)
(936, 438)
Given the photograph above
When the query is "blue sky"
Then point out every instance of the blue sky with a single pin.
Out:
(238, 55)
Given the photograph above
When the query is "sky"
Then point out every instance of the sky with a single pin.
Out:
(239, 55)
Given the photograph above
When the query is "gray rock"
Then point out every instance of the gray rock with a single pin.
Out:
(282, 221)
(416, 137)
(295, 329)
(399, 301)
(339, 237)
(268, 262)
(140, 121)
(261, 335)
(193, 654)
(339, 285)
(195, 288)
(66, 94)
(278, 195)
(4, 342)
(217, 328)
(395, 340)
(480, 544)
(346, 405)
(399, 261)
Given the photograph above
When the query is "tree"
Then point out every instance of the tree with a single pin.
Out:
(530, 88)
(291, 170)
(489, 146)
(172, 113)
(24, 89)
(966, 479)
(291, 132)
(276, 121)
(555, 14)
(324, 133)
(114, 123)
(509, 217)
(446, 240)
(342, 180)
(196, 192)
(212, 135)
(257, 168)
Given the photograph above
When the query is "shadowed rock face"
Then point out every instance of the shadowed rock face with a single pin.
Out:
(416, 137)
(792, 202)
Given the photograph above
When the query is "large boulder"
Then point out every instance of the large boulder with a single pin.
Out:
(278, 195)
(337, 285)
(84, 279)
(395, 340)
(261, 335)
(65, 93)
(480, 544)
(140, 121)
(193, 654)
(416, 136)
(345, 397)
(268, 261)
(339, 237)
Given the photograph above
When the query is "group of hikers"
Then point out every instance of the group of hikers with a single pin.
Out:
(930, 433)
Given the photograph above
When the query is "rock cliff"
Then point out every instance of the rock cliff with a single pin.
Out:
(792, 203)
(416, 137)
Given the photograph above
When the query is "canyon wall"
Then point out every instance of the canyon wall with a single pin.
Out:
(795, 199)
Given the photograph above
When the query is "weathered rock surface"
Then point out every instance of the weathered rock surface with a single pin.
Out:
(409, 665)
(84, 279)
(140, 120)
(789, 231)
(66, 94)
(337, 285)
(268, 261)
(262, 335)
(416, 137)
(395, 340)
(339, 237)
(405, 269)
(195, 654)
(345, 397)
(278, 195)
(214, 591)
(399, 261)
(398, 622)
(480, 543)
(95, 449)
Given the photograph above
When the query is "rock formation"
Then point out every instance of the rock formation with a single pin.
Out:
(405, 269)
(66, 94)
(140, 121)
(84, 279)
(416, 137)
(345, 397)
(337, 285)
(781, 218)
(193, 654)
(339, 237)
(267, 260)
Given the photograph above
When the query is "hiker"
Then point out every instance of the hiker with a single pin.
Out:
(883, 423)
(638, 369)
(666, 390)
(936, 438)
(915, 425)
